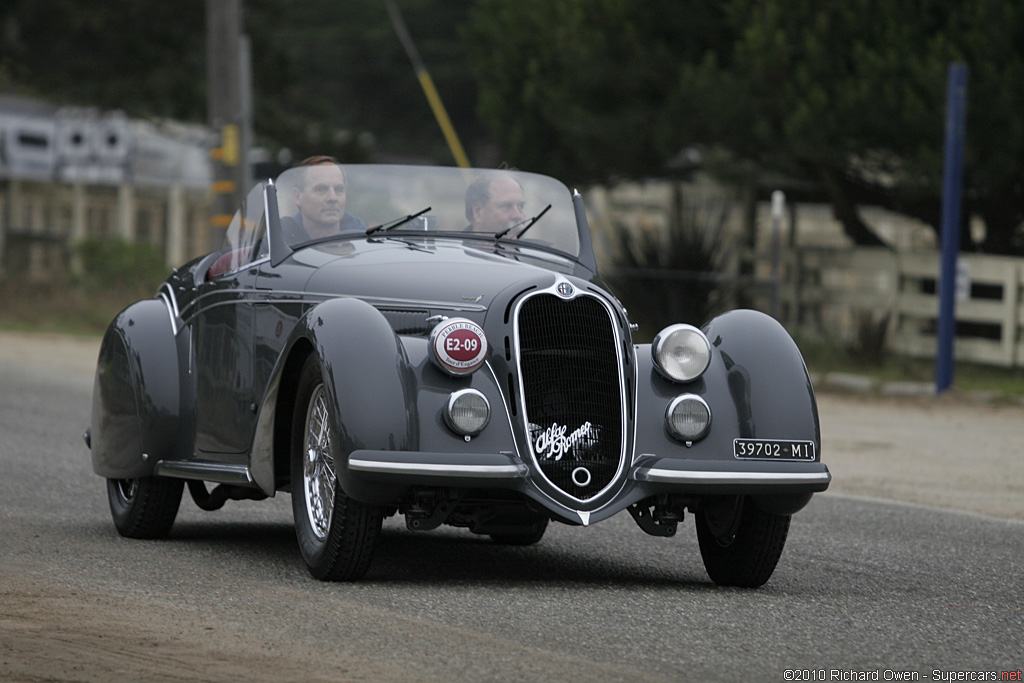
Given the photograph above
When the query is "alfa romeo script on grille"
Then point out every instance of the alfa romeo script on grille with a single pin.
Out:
(553, 443)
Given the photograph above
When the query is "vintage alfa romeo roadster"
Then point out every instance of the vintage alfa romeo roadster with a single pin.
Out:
(437, 343)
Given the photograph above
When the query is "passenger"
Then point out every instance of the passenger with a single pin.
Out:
(494, 202)
(320, 195)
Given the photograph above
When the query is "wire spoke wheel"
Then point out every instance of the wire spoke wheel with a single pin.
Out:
(318, 478)
(336, 534)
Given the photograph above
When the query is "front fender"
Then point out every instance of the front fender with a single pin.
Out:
(135, 395)
(369, 383)
(366, 374)
(756, 386)
(759, 381)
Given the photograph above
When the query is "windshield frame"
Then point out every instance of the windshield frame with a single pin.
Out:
(401, 191)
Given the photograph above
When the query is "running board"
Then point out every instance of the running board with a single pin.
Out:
(217, 472)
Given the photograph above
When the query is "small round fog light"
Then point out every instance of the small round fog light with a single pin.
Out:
(688, 417)
(681, 352)
(468, 412)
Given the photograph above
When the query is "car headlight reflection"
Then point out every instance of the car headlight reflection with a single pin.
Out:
(467, 412)
(681, 352)
(688, 417)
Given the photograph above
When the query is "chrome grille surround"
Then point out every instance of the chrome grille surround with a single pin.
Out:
(572, 394)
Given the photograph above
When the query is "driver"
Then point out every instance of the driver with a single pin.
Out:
(494, 202)
(320, 197)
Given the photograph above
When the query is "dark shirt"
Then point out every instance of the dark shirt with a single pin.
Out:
(295, 231)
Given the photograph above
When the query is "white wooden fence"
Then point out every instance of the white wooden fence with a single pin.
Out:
(850, 294)
(40, 222)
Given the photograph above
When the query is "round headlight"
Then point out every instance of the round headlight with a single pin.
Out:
(468, 412)
(688, 417)
(458, 346)
(681, 352)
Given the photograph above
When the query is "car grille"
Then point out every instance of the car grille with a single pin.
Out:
(571, 389)
(407, 321)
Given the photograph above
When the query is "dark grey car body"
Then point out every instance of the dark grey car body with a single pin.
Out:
(199, 383)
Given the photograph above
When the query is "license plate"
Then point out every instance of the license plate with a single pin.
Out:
(773, 449)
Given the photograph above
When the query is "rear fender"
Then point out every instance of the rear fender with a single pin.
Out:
(135, 395)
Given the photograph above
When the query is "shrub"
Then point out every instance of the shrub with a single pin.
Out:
(677, 275)
(117, 265)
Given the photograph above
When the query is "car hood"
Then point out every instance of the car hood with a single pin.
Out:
(424, 271)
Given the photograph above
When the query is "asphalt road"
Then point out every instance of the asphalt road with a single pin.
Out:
(865, 585)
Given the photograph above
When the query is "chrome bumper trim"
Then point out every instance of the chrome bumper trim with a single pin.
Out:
(697, 477)
(434, 469)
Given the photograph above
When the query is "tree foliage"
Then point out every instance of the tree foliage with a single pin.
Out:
(849, 95)
(579, 88)
(348, 75)
(146, 57)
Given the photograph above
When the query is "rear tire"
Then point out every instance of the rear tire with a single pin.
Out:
(144, 507)
(739, 543)
(336, 534)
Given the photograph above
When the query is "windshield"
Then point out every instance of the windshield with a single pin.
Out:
(244, 239)
(327, 200)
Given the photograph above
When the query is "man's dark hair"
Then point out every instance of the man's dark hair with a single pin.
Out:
(318, 160)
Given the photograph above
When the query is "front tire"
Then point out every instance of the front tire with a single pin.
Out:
(739, 543)
(144, 507)
(336, 534)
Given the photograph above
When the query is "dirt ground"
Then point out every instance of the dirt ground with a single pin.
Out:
(946, 452)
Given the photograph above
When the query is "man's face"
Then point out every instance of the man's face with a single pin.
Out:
(322, 199)
(504, 208)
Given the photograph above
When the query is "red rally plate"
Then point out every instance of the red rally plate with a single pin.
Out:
(459, 345)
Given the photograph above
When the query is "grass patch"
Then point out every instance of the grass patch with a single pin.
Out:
(63, 308)
(114, 274)
(821, 357)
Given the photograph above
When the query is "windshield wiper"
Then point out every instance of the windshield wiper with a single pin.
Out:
(398, 221)
(529, 224)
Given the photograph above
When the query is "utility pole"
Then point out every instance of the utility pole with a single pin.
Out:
(226, 111)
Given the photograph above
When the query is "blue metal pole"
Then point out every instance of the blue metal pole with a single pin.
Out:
(952, 185)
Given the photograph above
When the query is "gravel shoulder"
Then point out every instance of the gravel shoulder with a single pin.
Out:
(946, 452)
(951, 451)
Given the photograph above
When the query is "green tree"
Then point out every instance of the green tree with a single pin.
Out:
(348, 74)
(143, 57)
(578, 88)
(852, 95)
(849, 95)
